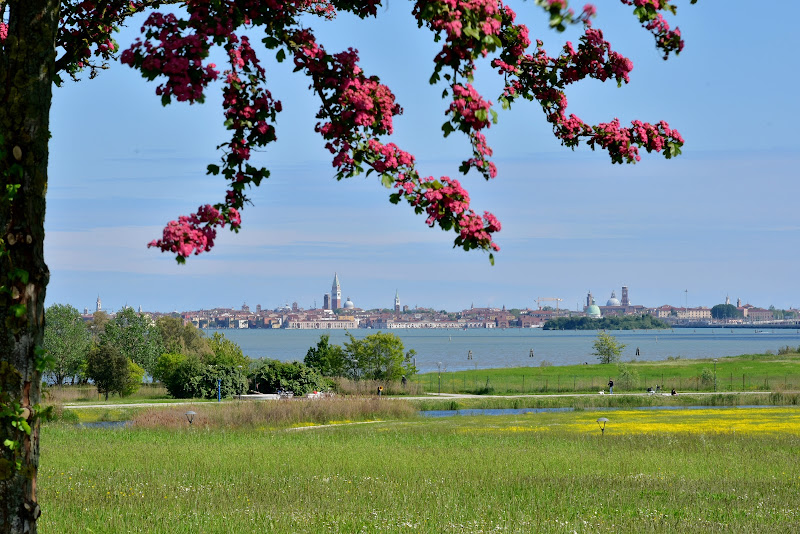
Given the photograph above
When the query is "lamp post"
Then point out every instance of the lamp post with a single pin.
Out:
(602, 428)
(190, 416)
(715, 375)
(439, 365)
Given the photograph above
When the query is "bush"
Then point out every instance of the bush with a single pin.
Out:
(272, 375)
(707, 377)
(134, 380)
(627, 377)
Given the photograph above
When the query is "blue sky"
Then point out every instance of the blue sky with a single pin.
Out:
(722, 219)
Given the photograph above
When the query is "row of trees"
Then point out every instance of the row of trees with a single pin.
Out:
(115, 354)
(379, 356)
(616, 322)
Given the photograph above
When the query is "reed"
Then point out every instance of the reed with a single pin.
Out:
(274, 414)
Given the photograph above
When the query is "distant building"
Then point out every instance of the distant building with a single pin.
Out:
(396, 301)
(625, 301)
(336, 293)
(592, 310)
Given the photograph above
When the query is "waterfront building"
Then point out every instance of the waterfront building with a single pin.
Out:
(322, 323)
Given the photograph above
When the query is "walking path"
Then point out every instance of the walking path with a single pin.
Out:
(429, 396)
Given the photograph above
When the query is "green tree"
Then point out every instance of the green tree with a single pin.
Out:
(67, 342)
(328, 359)
(607, 349)
(97, 325)
(136, 337)
(378, 357)
(179, 338)
(225, 352)
(109, 369)
(725, 311)
(180, 374)
(167, 364)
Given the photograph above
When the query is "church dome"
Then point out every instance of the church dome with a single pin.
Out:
(613, 301)
(348, 305)
(593, 311)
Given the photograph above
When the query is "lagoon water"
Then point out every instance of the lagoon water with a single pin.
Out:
(511, 347)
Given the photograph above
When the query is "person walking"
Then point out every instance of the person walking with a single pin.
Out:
(610, 387)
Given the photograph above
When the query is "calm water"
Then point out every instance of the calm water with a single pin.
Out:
(511, 348)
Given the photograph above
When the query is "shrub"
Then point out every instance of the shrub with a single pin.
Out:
(628, 377)
(707, 377)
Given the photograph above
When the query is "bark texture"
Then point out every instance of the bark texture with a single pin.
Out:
(27, 61)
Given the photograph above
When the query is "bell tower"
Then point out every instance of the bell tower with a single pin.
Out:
(336, 293)
(396, 301)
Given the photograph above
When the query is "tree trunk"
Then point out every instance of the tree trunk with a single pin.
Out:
(27, 63)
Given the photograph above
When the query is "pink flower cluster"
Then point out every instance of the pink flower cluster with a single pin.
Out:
(468, 108)
(622, 143)
(191, 234)
(545, 78)
(471, 29)
(85, 30)
(667, 40)
(356, 109)
(178, 56)
(3, 31)
(249, 107)
(388, 158)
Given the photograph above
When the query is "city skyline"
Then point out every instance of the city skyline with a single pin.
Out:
(719, 220)
(319, 304)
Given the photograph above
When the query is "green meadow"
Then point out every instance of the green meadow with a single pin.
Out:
(362, 464)
(724, 470)
(748, 372)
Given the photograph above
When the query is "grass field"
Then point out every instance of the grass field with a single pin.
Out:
(724, 470)
(748, 372)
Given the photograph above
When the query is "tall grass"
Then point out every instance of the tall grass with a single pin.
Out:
(86, 394)
(272, 414)
(537, 473)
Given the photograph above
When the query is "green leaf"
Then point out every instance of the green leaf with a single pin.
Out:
(447, 128)
(212, 169)
(281, 55)
(19, 274)
(387, 181)
(491, 259)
